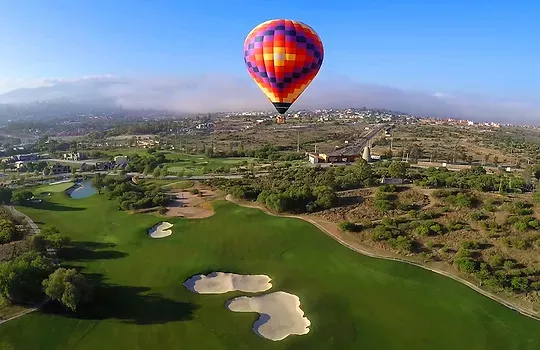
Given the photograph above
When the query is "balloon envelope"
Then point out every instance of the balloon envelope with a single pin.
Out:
(283, 57)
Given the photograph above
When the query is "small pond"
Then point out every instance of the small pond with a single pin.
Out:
(83, 189)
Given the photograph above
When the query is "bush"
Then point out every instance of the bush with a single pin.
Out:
(349, 226)
(455, 226)
(470, 245)
(496, 260)
(162, 210)
(466, 264)
(509, 264)
(382, 233)
(478, 215)
(520, 284)
(402, 243)
(8, 232)
(535, 285)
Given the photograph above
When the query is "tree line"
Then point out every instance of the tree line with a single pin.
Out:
(128, 195)
(31, 276)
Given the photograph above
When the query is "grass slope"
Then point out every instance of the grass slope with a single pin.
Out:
(61, 187)
(353, 302)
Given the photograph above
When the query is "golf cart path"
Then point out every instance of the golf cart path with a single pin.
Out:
(335, 236)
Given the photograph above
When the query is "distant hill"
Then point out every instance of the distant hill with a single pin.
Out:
(215, 93)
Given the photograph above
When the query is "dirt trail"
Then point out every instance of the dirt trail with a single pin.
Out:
(332, 230)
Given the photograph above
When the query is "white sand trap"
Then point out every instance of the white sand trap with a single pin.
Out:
(280, 314)
(161, 230)
(221, 282)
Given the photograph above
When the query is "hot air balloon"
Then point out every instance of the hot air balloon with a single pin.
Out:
(283, 57)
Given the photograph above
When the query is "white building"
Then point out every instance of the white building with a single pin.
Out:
(121, 160)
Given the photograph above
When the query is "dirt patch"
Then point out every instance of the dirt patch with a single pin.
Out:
(190, 205)
(11, 250)
(359, 205)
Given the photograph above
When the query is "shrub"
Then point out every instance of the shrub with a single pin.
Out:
(349, 226)
(478, 215)
(382, 233)
(520, 284)
(8, 232)
(162, 210)
(535, 285)
(402, 243)
(496, 260)
(466, 264)
(470, 245)
(455, 226)
(509, 264)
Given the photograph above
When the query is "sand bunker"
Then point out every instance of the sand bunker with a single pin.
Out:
(191, 206)
(280, 314)
(220, 282)
(160, 230)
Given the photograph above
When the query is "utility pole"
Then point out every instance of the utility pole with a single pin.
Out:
(391, 140)
(298, 142)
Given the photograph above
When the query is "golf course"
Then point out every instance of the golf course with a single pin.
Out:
(352, 301)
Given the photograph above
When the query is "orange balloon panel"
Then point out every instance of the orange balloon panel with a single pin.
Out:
(283, 57)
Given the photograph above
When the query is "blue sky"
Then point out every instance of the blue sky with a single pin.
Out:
(435, 46)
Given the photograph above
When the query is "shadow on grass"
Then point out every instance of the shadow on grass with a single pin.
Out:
(45, 205)
(128, 304)
(84, 251)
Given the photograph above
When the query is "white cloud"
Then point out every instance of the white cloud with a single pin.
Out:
(213, 93)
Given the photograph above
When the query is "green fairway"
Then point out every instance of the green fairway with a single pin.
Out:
(352, 301)
(61, 187)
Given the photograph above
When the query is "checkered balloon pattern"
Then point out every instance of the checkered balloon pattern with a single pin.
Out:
(283, 57)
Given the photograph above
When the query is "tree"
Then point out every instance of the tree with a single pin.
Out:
(53, 238)
(47, 171)
(5, 195)
(157, 172)
(398, 169)
(22, 197)
(68, 287)
(8, 232)
(164, 171)
(21, 278)
(38, 242)
(98, 182)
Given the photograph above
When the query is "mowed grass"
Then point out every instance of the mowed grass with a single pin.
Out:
(54, 188)
(352, 301)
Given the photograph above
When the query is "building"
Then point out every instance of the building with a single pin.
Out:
(391, 181)
(104, 166)
(19, 165)
(25, 157)
(58, 169)
(74, 156)
(121, 160)
(204, 126)
(346, 154)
